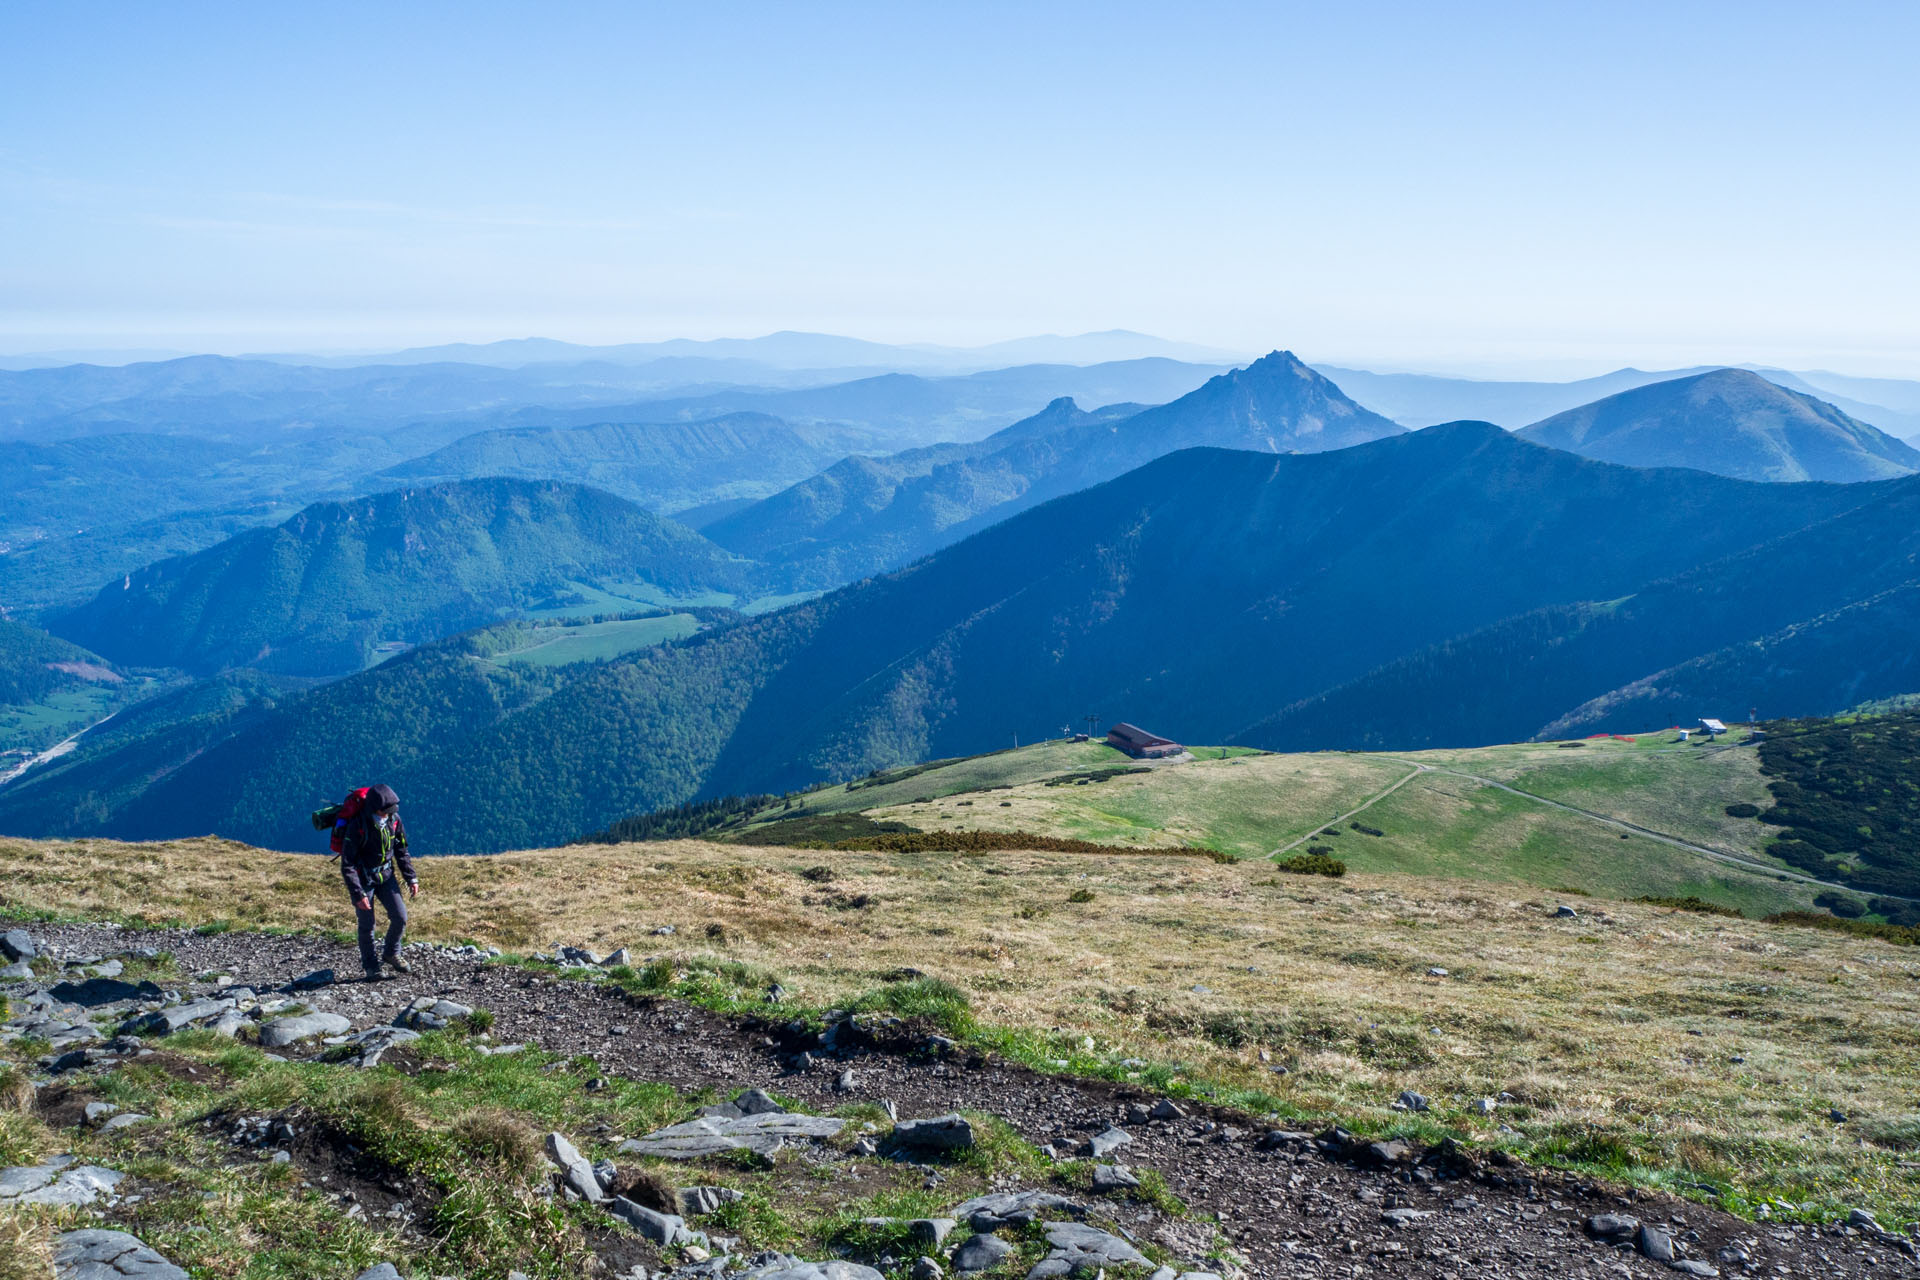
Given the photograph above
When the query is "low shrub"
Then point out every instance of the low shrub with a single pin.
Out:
(1743, 810)
(937, 1001)
(1898, 935)
(1312, 864)
(1365, 830)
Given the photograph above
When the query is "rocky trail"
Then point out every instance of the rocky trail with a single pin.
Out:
(1285, 1203)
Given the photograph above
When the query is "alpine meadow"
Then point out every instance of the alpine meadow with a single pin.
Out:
(673, 643)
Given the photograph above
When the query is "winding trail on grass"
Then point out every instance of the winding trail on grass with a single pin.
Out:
(1634, 828)
(1370, 801)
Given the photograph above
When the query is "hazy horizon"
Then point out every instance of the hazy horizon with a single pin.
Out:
(1497, 190)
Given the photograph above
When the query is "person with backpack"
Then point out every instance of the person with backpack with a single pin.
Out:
(373, 861)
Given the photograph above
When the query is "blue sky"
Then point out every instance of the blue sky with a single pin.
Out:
(1558, 186)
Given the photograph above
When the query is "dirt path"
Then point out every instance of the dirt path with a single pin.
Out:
(1291, 1206)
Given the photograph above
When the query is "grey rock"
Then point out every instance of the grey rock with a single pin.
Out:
(575, 1172)
(981, 1253)
(1612, 1226)
(171, 1019)
(57, 1181)
(1483, 1106)
(931, 1231)
(95, 1254)
(661, 1228)
(758, 1102)
(998, 1209)
(698, 1202)
(304, 1026)
(604, 1172)
(926, 1269)
(98, 1113)
(1083, 1247)
(1101, 1145)
(1862, 1218)
(374, 1042)
(791, 1269)
(17, 970)
(430, 1013)
(382, 1271)
(1411, 1101)
(1689, 1266)
(313, 982)
(1405, 1217)
(1392, 1152)
(1113, 1177)
(1564, 912)
(18, 944)
(1167, 1109)
(126, 1119)
(762, 1134)
(1653, 1243)
(941, 1133)
(228, 1024)
(619, 956)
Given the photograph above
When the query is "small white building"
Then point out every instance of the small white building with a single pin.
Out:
(1713, 727)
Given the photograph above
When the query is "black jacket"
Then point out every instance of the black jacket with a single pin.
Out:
(363, 861)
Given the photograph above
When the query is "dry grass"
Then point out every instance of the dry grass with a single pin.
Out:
(26, 1247)
(1617, 1032)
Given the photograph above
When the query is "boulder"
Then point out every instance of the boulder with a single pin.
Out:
(380, 1271)
(931, 1231)
(304, 1026)
(57, 1181)
(18, 945)
(126, 1119)
(1653, 1243)
(981, 1253)
(95, 1254)
(1113, 1177)
(175, 1017)
(430, 1013)
(1101, 1145)
(762, 1134)
(989, 1213)
(941, 1133)
(664, 1229)
(698, 1202)
(758, 1102)
(1084, 1248)
(1167, 1109)
(1612, 1226)
(575, 1171)
(18, 971)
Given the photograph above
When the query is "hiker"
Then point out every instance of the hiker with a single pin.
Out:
(373, 861)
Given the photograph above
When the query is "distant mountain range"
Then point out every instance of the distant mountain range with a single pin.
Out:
(794, 351)
(1433, 584)
(1732, 423)
(867, 515)
(664, 466)
(316, 595)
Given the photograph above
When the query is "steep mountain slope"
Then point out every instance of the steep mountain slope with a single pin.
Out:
(314, 596)
(1275, 405)
(1732, 423)
(1618, 664)
(1197, 595)
(1422, 400)
(661, 466)
(858, 503)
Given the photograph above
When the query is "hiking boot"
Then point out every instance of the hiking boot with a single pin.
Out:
(398, 965)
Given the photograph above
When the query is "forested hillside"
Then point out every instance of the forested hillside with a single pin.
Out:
(315, 595)
(1847, 802)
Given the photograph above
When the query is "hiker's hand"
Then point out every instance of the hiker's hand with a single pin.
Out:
(413, 888)
(362, 904)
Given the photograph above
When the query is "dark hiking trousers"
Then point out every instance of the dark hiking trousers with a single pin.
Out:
(389, 894)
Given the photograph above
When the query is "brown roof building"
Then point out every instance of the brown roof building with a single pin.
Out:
(1140, 744)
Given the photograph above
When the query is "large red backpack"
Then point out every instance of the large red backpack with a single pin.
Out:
(337, 816)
